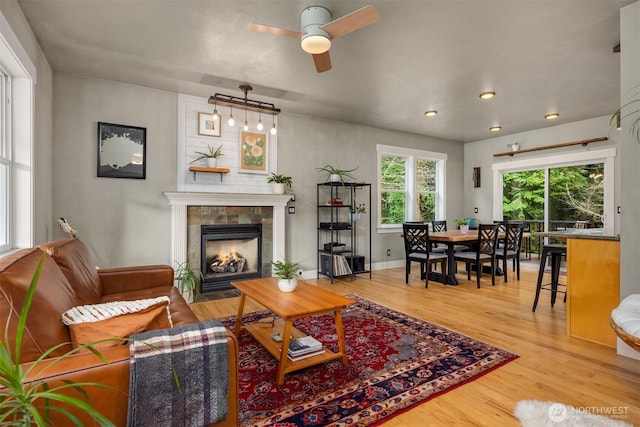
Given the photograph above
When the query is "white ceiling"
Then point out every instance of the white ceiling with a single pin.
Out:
(539, 56)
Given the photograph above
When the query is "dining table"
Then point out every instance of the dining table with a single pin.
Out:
(457, 237)
(450, 238)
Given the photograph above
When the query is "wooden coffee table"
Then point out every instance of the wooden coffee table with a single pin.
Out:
(305, 301)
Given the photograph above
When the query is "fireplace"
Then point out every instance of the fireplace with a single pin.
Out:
(229, 252)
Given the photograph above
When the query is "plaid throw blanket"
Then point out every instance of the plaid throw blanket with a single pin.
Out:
(179, 376)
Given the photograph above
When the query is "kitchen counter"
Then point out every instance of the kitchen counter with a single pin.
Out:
(579, 233)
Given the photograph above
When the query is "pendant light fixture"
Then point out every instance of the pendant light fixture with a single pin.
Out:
(231, 122)
(260, 126)
(273, 128)
(247, 105)
(246, 125)
(215, 113)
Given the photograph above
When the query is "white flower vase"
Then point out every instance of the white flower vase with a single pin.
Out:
(287, 285)
(277, 188)
(334, 177)
(212, 163)
(464, 229)
(354, 216)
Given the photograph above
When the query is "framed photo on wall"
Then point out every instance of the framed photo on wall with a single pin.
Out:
(253, 152)
(207, 126)
(121, 151)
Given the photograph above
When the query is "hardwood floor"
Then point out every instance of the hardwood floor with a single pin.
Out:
(552, 366)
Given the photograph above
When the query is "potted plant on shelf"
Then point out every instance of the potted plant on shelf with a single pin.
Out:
(188, 281)
(357, 211)
(211, 156)
(463, 223)
(28, 402)
(279, 181)
(287, 273)
(336, 174)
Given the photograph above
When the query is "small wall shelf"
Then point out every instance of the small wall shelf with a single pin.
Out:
(547, 147)
(195, 169)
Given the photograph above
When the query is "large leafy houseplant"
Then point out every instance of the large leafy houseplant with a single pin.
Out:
(25, 402)
(188, 281)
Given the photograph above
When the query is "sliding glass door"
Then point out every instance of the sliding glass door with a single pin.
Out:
(561, 197)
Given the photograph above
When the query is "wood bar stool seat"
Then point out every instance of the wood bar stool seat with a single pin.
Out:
(556, 251)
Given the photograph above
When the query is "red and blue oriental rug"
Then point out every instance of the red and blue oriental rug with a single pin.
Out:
(395, 362)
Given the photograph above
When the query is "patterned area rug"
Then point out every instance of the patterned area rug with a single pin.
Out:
(395, 361)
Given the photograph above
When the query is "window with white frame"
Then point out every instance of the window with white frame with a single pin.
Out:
(410, 186)
(5, 162)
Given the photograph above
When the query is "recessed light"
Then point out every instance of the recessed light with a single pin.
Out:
(552, 116)
(430, 113)
(487, 95)
(495, 128)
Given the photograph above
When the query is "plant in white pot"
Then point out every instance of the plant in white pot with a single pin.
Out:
(336, 174)
(288, 274)
(463, 223)
(188, 281)
(211, 156)
(357, 211)
(279, 182)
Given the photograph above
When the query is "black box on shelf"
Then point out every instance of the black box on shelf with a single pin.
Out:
(336, 246)
(356, 262)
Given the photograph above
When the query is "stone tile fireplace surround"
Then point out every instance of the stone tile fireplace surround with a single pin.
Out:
(189, 210)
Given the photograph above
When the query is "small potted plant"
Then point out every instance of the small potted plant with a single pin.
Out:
(287, 273)
(357, 211)
(336, 174)
(211, 156)
(463, 224)
(188, 282)
(279, 181)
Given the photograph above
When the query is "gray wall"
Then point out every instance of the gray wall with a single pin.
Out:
(42, 146)
(127, 222)
(306, 143)
(481, 153)
(122, 221)
(630, 150)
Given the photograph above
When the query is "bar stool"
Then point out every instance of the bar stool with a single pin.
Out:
(557, 251)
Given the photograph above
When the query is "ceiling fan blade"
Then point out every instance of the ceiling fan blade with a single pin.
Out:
(274, 30)
(322, 61)
(353, 21)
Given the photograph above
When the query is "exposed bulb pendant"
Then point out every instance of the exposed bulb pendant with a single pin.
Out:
(231, 122)
(215, 113)
(260, 126)
(246, 125)
(273, 128)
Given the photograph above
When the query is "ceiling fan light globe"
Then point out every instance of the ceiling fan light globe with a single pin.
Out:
(315, 44)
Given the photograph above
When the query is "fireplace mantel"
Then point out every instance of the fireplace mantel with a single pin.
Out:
(180, 200)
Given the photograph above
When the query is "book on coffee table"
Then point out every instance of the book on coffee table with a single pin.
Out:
(305, 355)
(304, 345)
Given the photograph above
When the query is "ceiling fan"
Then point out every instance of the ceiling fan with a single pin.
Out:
(318, 30)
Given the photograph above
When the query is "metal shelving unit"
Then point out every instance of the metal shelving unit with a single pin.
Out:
(337, 224)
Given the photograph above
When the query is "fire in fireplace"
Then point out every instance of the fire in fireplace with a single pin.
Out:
(230, 252)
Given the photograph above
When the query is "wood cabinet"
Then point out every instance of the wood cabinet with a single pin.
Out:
(593, 281)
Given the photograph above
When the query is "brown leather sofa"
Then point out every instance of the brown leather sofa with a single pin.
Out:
(68, 279)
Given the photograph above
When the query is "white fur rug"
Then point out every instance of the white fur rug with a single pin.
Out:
(534, 413)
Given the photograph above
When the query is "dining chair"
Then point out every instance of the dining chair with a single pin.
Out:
(418, 249)
(486, 252)
(511, 248)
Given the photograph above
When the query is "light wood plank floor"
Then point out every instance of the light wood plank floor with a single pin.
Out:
(552, 366)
